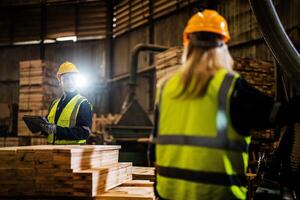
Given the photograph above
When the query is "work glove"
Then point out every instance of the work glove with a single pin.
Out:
(48, 128)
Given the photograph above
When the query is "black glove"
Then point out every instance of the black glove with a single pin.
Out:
(48, 128)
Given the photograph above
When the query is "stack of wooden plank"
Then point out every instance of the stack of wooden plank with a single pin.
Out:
(167, 62)
(134, 189)
(38, 84)
(130, 14)
(9, 141)
(258, 73)
(128, 193)
(143, 173)
(99, 123)
(57, 170)
(38, 88)
(38, 140)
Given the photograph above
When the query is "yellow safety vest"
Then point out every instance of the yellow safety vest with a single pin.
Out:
(67, 118)
(199, 155)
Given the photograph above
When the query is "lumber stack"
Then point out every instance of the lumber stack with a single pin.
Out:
(257, 73)
(38, 88)
(128, 193)
(9, 141)
(99, 123)
(58, 170)
(134, 189)
(130, 14)
(167, 62)
(41, 140)
(143, 173)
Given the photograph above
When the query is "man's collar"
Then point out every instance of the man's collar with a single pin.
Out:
(69, 95)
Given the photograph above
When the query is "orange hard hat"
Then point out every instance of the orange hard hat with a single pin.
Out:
(66, 67)
(206, 21)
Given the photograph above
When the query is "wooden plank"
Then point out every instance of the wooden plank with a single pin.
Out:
(143, 173)
(138, 183)
(130, 193)
(56, 170)
(102, 179)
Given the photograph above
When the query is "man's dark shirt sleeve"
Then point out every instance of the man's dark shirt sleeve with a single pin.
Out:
(83, 124)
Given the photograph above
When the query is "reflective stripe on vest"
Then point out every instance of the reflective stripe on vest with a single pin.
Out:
(67, 118)
(221, 140)
(180, 173)
(202, 177)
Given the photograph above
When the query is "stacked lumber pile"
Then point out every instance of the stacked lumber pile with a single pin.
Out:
(129, 15)
(38, 88)
(41, 140)
(134, 189)
(143, 173)
(99, 123)
(257, 73)
(9, 141)
(58, 170)
(167, 62)
(128, 193)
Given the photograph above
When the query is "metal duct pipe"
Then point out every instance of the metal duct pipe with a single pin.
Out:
(276, 38)
(134, 55)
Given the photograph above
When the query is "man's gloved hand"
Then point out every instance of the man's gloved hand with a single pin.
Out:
(48, 128)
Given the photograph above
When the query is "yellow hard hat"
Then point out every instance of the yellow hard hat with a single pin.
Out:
(66, 67)
(206, 21)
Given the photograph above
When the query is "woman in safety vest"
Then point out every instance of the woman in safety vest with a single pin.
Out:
(203, 117)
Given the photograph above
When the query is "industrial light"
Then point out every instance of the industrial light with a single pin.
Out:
(68, 38)
(81, 81)
(48, 41)
(27, 42)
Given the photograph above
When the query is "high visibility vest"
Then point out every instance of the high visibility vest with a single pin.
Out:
(199, 155)
(67, 118)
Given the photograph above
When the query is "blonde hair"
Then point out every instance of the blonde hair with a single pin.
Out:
(199, 66)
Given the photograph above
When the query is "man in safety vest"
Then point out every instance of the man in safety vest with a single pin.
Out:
(204, 112)
(69, 117)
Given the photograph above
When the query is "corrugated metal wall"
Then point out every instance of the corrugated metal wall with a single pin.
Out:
(34, 20)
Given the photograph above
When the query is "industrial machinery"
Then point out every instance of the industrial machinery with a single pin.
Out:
(280, 171)
(134, 127)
